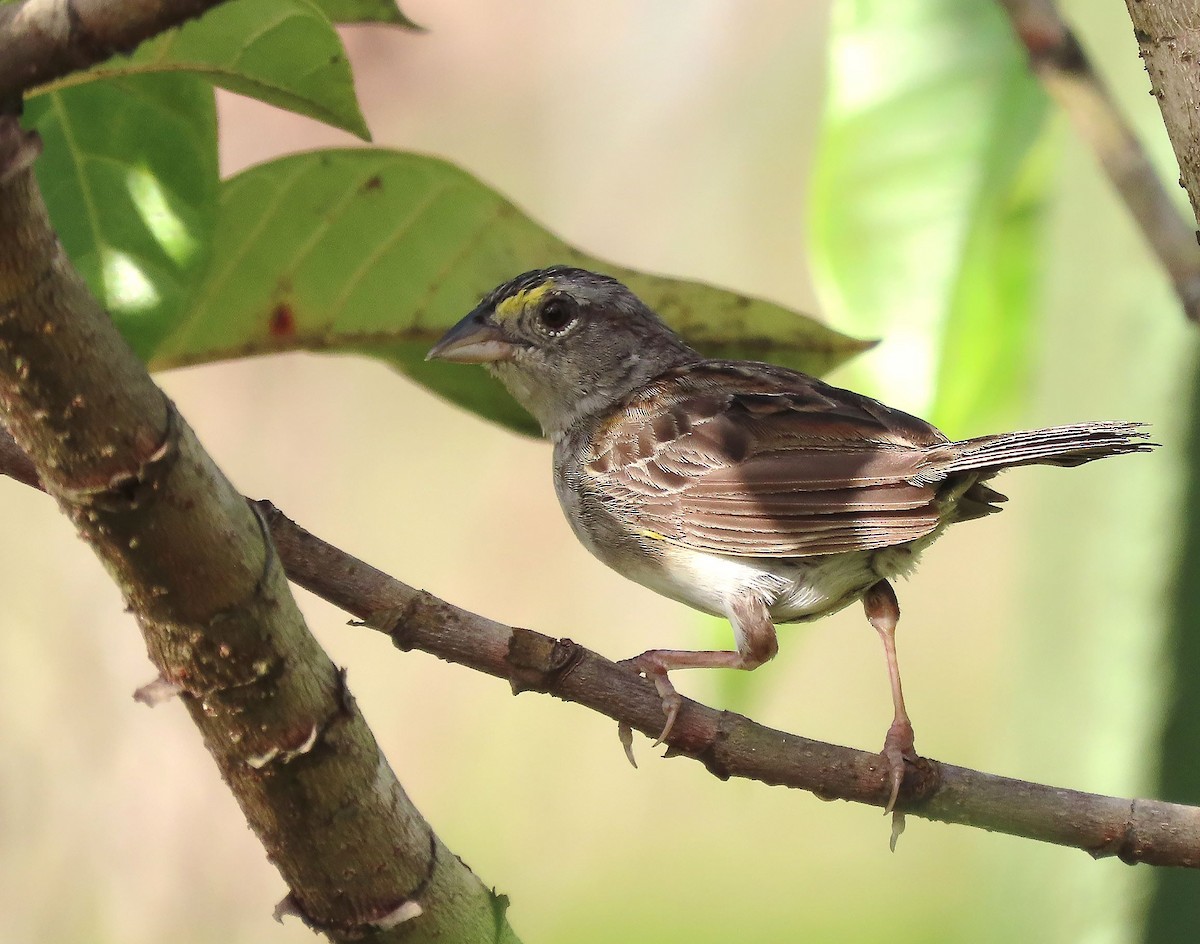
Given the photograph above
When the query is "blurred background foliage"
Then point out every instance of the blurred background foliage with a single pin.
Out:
(888, 165)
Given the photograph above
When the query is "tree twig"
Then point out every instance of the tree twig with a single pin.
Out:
(47, 39)
(730, 745)
(1061, 63)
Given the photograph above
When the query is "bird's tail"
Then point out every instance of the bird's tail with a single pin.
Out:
(1058, 445)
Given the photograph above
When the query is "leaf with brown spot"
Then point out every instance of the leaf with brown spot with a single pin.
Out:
(379, 252)
(283, 321)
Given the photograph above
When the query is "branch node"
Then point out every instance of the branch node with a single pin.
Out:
(922, 779)
(153, 694)
(539, 663)
(405, 908)
(269, 513)
(18, 148)
(345, 697)
(284, 755)
(90, 47)
(405, 912)
(296, 742)
(711, 755)
(1129, 850)
(396, 621)
(289, 907)
(499, 910)
(128, 490)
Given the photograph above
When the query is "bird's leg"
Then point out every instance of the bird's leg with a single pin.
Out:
(883, 612)
(756, 644)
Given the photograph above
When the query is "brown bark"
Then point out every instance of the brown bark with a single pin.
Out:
(200, 574)
(1168, 34)
(46, 39)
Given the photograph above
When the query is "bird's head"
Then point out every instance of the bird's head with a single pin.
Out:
(565, 342)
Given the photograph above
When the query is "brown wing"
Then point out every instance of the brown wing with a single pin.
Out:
(764, 462)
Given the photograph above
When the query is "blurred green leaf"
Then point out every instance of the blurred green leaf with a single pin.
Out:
(380, 252)
(925, 205)
(366, 11)
(986, 344)
(1173, 905)
(283, 52)
(129, 173)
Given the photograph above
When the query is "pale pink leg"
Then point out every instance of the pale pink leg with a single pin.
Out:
(756, 644)
(883, 612)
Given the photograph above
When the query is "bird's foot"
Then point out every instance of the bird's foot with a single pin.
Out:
(899, 747)
(653, 669)
(897, 828)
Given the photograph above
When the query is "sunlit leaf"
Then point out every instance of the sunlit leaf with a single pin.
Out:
(925, 205)
(284, 52)
(380, 252)
(129, 173)
(1171, 915)
(366, 11)
(986, 343)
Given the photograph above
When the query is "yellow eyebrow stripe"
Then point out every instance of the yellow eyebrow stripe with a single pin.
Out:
(526, 298)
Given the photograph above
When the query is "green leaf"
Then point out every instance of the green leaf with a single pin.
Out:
(1171, 915)
(283, 52)
(988, 336)
(380, 252)
(925, 207)
(366, 11)
(130, 176)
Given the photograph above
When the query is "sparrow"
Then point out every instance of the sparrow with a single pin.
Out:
(742, 489)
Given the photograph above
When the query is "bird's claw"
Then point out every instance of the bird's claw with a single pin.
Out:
(672, 701)
(899, 748)
(897, 828)
(625, 734)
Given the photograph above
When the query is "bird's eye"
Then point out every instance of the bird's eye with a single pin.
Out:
(557, 315)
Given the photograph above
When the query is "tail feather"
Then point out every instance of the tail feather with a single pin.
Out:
(1057, 445)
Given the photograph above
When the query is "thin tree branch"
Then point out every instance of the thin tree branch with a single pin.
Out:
(199, 572)
(47, 39)
(1061, 63)
(727, 744)
(730, 745)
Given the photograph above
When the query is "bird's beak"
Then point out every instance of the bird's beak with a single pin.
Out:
(474, 340)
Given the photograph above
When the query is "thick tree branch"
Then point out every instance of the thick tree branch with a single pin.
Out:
(1058, 59)
(47, 39)
(1168, 34)
(728, 745)
(199, 572)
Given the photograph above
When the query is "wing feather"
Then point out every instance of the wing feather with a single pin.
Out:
(764, 464)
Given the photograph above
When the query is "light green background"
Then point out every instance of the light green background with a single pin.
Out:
(674, 139)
